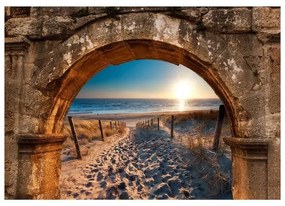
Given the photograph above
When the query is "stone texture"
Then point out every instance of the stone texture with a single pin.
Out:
(251, 156)
(207, 46)
(47, 28)
(266, 22)
(50, 53)
(265, 18)
(58, 27)
(59, 11)
(14, 12)
(40, 165)
(273, 62)
(228, 20)
(11, 165)
(29, 27)
(272, 118)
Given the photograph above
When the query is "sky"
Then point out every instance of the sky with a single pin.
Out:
(146, 79)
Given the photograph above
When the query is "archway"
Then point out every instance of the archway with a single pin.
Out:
(58, 70)
(76, 76)
(151, 89)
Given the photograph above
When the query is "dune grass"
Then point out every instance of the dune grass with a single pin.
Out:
(197, 128)
(214, 167)
(196, 115)
(89, 130)
(196, 131)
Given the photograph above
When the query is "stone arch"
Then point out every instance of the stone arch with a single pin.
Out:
(84, 68)
(169, 39)
(59, 68)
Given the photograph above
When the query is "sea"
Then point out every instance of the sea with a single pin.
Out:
(120, 106)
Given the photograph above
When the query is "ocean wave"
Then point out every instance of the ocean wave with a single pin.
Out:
(113, 106)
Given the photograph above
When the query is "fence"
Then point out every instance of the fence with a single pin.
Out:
(221, 115)
(114, 126)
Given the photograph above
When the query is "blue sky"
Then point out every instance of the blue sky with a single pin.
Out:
(145, 79)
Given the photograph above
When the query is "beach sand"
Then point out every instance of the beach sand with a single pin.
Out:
(142, 164)
(133, 118)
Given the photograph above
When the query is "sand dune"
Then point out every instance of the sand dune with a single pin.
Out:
(133, 118)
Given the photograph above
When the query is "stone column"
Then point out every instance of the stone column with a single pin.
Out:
(249, 167)
(16, 50)
(39, 166)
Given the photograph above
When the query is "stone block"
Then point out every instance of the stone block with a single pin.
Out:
(11, 106)
(11, 165)
(254, 103)
(142, 49)
(265, 18)
(236, 20)
(273, 60)
(28, 26)
(273, 126)
(167, 53)
(206, 46)
(274, 169)
(81, 21)
(117, 53)
(39, 163)
(240, 64)
(249, 156)
(269, 36)
(58, 28)
(274, 96)
(138, 25)
(245, 44)
(255, 128)
(235, 72)
(96, 10)
(59, 11)
(18, 11)
(30, 124)
(34, 103)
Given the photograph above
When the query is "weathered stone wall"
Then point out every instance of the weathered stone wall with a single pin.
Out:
(51, 52)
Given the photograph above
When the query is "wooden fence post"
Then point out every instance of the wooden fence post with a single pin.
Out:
(151, 122)
(172, 126)
(157, 123)
(74, 137)
(101, 130)
(219, 125)
(111, 125)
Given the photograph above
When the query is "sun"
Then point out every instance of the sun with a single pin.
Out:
(182, 90)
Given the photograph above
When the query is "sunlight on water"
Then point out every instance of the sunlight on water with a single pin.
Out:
(182, 104)
(117, 106)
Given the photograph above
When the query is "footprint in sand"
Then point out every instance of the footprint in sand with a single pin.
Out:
(140, 167)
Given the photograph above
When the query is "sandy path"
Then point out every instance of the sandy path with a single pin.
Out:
(145, 165)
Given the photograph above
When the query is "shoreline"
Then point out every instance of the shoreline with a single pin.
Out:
(132, 118)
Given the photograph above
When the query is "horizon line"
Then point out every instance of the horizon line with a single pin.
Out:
(140, 98)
